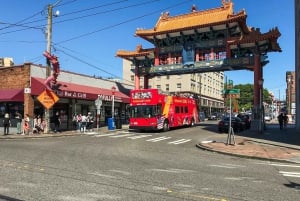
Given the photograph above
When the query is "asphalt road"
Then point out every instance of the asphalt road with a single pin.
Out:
(138, 166)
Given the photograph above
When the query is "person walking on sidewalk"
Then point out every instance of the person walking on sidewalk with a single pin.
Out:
(280, 120)
(19, 122)
(6, 124)
(83, 123)
(57, 122)
(26, 125)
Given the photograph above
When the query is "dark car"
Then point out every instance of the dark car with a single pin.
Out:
(245, 118)
(201, 116)
(236, 123)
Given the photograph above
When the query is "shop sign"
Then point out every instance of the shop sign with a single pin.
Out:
(47, 98)
(72, 94)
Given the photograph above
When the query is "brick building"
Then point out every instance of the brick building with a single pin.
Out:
(22, 84)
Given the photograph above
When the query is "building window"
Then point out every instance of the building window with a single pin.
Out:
(132, 77)
(178, 86)
(167, 87)
(158, 78)
(168, 77)
(158, 86)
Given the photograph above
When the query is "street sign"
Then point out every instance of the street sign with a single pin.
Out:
(231, 91)
(98, 103)
(47, 98)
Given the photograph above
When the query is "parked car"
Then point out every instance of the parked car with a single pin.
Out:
(201, 116)
(236, 123)
(245, 118)
(268, 117)
(214, 116)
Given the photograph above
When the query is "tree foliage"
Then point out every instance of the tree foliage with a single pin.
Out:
(247, 96)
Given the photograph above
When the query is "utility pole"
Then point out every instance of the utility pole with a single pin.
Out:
(48, 67)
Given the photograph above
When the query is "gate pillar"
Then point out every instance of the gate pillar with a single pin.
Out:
(257, 123)
(136, 77)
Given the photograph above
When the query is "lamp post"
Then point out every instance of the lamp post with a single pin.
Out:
(98, 103)
(289, 94)
(260, 82)
(113, 91)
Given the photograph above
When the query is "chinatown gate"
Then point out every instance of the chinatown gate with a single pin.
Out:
(205, 41)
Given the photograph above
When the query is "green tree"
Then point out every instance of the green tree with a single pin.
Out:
(247, 95)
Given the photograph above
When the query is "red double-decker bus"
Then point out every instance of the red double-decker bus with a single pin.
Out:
(152, 110)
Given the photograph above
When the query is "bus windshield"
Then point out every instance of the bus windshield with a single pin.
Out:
(144, 111)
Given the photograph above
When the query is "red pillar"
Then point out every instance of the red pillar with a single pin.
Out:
(136, 78)
(156, 55)
(257, 79)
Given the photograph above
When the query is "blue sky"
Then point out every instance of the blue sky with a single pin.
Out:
(87, 34)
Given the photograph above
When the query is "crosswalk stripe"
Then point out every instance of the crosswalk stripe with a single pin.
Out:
(158, 139)
(125, 135)
(180, 141)
(139, 136)
(290, 174)
(104, 135)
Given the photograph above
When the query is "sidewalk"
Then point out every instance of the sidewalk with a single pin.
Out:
(13, 132)
(273, 145)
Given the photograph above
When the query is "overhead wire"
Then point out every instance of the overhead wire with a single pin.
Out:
(87, 63)
(120, 23)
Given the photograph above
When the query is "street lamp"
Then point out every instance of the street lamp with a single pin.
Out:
(290, 93)
(260, 82)
(113, 91)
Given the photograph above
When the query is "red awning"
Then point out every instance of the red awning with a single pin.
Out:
(71, 90)
(11, 95)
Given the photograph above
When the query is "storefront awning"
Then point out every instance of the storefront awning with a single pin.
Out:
(71, 90)
(11, 95)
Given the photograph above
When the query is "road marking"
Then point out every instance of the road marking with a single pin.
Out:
(224, 166)
(279, 164)
(125, 135)
(138, 136)
(290, 174)
(180, 141)
(158, 139)
(104, 135)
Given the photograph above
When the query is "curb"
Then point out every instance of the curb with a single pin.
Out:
(200, 146)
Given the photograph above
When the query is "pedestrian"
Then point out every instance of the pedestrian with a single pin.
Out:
(83, 123)
(280, 120)
(74, 122)
(26, 125)
(6, 123)
(90, 121)
(18, 118)
(79, 122)
(57, 122)
(285, 120)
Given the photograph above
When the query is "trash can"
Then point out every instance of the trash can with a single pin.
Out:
(118, 123)
(111, 124)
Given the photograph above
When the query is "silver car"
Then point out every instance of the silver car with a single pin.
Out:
(268, 117)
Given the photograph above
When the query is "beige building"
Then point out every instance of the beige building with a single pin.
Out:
(6, 62)
(212, 84)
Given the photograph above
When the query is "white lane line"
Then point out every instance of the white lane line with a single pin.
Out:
(290, 174)
(138, 136)
(224, 166)
(125, 135)
(158, 139)
(104, 135)
(180, 141)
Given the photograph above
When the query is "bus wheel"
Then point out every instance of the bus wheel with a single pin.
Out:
(166, 126)
(192, 122)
